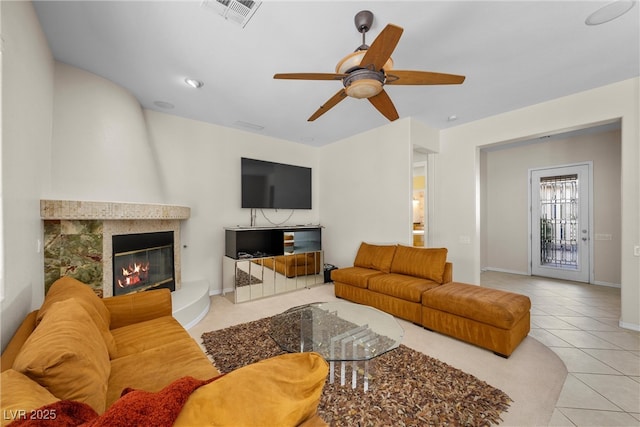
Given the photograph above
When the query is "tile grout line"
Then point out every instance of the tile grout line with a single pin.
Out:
(601, 303)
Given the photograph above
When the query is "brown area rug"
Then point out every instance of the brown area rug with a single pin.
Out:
(407, 388)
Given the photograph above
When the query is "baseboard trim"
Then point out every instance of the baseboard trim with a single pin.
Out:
(503, 270)
(222, 292)
(607, 284)
(632, 326)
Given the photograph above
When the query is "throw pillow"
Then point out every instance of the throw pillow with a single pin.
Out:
(145, 408)
(68, 287)
(67, 355)
(427, 263)
(281, 391)
(377, 257)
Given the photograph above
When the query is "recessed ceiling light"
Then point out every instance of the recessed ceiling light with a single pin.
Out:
(609, 12)
(452, 118)
(196, 84)
(163, 104)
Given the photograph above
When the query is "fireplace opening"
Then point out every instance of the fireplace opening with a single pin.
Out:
(143, 261)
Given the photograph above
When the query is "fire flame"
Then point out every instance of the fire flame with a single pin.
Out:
(133, 274)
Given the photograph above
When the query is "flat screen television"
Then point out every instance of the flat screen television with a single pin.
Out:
(275, 185)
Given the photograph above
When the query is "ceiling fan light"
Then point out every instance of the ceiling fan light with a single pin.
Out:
(354, 59)
(349, 61)
(364, 88)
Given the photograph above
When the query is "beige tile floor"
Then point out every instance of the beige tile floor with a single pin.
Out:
(579, 322)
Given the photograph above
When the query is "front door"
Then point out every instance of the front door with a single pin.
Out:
(560, 222)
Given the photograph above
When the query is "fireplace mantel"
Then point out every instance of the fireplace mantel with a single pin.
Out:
(78, 237)
(89, 210)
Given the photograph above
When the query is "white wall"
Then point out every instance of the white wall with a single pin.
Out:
(27, 97)
(200, 167)
(100, 147)
(366, 191)
(505, 175)
(458, 178)
(106, 148)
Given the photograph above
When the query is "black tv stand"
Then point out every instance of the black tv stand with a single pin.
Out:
(258, 242)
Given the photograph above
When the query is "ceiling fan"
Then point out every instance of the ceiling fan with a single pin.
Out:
(365, 72)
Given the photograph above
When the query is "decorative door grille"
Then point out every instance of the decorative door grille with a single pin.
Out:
(559, 221)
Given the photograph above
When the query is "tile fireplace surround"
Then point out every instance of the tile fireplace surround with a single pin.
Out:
(77, 237)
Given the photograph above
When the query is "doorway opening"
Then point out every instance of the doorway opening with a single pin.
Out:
(508, 230)
(419, 205)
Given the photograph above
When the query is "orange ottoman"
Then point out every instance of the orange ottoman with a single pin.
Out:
(490, 318)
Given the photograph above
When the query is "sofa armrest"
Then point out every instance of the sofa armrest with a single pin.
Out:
(19, 338)
(138, 307)
(447, 277)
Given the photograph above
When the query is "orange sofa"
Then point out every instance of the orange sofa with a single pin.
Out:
(416, 284)
(392, 278)
(85, 350)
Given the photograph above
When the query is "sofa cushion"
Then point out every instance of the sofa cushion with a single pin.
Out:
(427, 263)
(142, 336)
(407, 288)
(128, 309)
(68, 287)
(21, 395)
(377, 257)
(354, 276)
(281, 391)
(491, 306)
(173, 360)
(67, 355)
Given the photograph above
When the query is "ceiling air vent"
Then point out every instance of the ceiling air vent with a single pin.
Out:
(237, 11)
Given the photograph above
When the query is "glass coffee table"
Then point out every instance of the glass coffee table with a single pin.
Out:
(342, 332)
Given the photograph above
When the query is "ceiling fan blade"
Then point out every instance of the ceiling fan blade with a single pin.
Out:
(383, 103)
(408, 77)
(310, 76)
(342, 94)
(382, 47)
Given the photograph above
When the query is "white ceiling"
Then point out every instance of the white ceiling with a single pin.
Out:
(513, 54)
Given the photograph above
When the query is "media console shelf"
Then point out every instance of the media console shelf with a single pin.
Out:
(262, 261)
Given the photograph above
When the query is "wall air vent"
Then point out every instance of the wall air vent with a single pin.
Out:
(237, 11)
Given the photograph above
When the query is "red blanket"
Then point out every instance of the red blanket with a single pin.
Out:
(135, 407)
